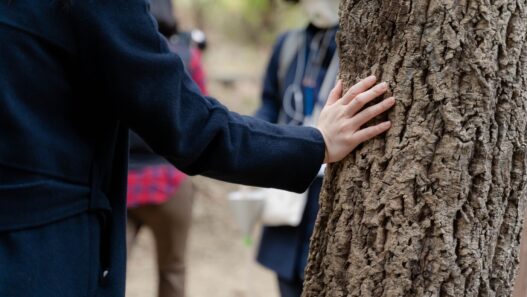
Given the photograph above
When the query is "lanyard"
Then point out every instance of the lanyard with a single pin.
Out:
(299, 98)
(317, 53)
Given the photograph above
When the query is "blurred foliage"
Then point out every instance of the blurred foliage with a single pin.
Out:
(254, 21)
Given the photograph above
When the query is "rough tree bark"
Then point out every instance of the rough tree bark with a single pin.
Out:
(435, 207)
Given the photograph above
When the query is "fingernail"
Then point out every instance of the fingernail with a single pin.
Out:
(384, 85)
(390, 101)
(386, 124)
(372, 77)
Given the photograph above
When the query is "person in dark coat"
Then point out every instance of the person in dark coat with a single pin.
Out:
(304, 63)
(76, 76)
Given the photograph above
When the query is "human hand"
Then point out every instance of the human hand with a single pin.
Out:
(342, 119)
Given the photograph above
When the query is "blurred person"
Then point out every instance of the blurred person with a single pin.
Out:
(184, 44)
(77, 75)
(159, 195)
(302, 70)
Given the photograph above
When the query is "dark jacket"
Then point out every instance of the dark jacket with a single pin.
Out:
(73, 80)
(285, 249)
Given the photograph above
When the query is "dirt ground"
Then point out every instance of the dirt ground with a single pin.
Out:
(219, 265)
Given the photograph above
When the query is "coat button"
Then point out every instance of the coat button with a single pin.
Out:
(104, 276)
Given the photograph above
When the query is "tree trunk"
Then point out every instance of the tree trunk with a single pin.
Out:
(435, 207)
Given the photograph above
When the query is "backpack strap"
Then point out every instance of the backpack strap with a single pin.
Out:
(325, 89)
(290, 47)
(330, 78)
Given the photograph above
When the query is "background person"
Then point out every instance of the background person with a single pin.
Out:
(159, 195)
(303, 67)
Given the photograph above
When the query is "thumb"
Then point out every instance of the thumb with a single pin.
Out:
(335, 94)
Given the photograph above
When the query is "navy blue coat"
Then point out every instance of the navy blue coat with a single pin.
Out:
(285, 249)
(73, 79)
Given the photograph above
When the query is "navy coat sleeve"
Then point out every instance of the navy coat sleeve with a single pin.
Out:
(150, 91)
(270, 104)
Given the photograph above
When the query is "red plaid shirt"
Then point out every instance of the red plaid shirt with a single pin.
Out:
(153, 185)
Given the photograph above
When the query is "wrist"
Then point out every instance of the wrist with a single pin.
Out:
(326, 151)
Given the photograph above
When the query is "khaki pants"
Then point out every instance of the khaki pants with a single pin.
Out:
(170, 223)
